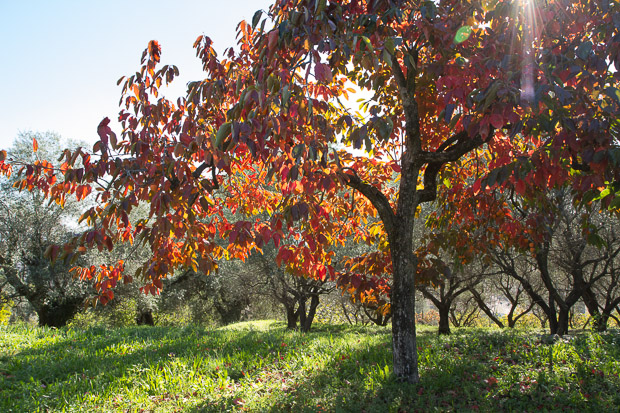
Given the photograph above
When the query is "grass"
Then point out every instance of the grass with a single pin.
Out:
(260, 366)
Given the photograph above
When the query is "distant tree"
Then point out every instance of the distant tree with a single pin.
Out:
(29, 225)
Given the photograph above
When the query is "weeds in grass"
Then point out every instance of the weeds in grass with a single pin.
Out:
(261, 366)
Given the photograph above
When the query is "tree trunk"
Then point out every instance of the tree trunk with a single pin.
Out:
(485, 308)
(405, 351)
(444, 320)
(58, 314)
(145, 318)
(602, 324)
(562, 323)
(552, 316)
(589, 300)
(314, 302)
(291, 317)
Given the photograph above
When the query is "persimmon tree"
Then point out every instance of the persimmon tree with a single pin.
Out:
(444, 78)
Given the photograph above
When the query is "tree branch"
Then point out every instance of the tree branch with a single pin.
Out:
(376, 198)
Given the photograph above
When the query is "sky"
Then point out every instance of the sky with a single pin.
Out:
(60, 60)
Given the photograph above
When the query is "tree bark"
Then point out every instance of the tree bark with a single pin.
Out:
(562, 324)
(444, 320)
(314, 303)
(291, 317)
(404, 346)
(145, 318)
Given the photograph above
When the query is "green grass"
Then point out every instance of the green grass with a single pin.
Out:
(260, 366)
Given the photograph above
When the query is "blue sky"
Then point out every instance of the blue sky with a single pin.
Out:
(60, 60)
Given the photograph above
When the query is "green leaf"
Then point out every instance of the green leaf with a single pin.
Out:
(462, 34)
(286, 95)
(615, 204)
(368, 44)
(256, 18)
(298, 150)
(384, 128)
(222, 134)
(613, 93)
(584, 49)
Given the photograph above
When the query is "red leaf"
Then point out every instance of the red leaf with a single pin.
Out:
(35, 144)
(272, 39)
(323, 72)
(477, 186)
(520, 187)
(108, 243)
(497, 121)
(103, 130)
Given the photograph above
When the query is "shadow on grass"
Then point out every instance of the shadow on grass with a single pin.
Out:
(458, 372)
(100, 360)
(359, 379)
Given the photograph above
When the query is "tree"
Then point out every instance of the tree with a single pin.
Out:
(508, 288)
(28, 226)
(444, 297)
(446, 78)
(587, 251)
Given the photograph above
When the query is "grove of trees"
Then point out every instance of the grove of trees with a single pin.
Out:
(503, 114)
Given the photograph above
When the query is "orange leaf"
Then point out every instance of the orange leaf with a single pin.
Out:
(35, 144)
(154, 50)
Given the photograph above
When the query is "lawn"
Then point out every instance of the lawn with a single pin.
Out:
(260, 366)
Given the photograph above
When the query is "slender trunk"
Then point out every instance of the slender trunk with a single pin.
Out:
(301, 309)
(552, 316)
(444, 319)
(314, 302)
(589, 300)
(604, 319)
(485, 308)
(512, 322)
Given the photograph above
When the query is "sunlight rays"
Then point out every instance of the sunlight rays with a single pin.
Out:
(531, 21)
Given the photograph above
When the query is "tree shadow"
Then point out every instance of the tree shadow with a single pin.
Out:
(457, 371)
(457, 374)
(360, 379)
(99, 359)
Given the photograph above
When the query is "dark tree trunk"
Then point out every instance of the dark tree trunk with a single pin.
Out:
(552, 316)
(58, 314)
(309, 318)
(444, 320)
(589, 299)
(230, 310)
(602, 324)
(145, 318)
(291, 317)
(562, 323)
